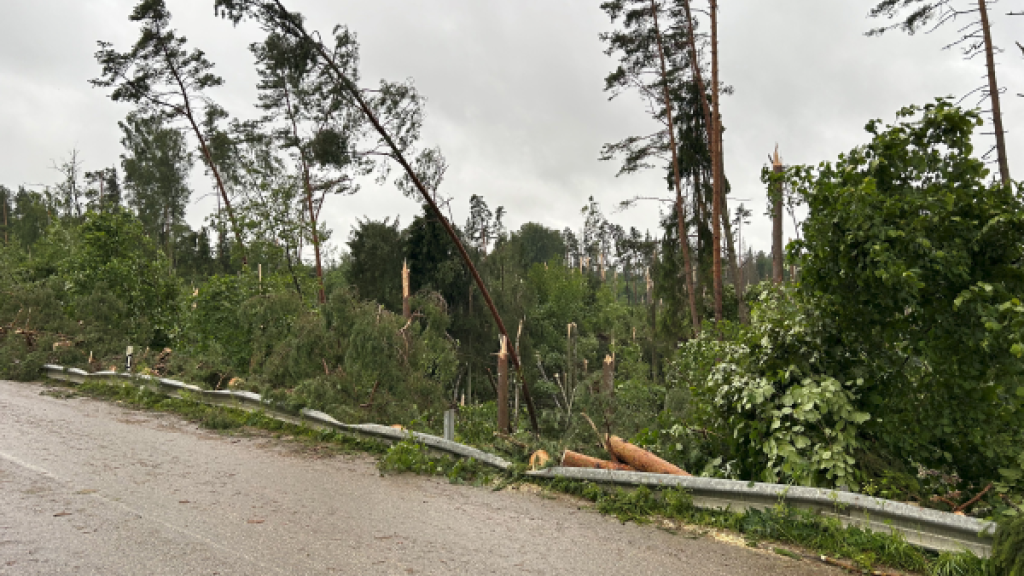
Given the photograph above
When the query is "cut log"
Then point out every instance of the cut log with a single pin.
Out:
(539, 459)
(572, 459)
(641, 459)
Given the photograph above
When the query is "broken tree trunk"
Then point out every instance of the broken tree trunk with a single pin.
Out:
(719, 177)
(608, 391)
(503, 420)
(641, 459)
(608, 376)
(406, 305)
(572, 459)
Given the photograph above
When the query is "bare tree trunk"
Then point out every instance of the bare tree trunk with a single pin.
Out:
(993, 88)
(730, 244)
(713, 129)
(357, 96)
(291, 270)
(608, 376)
(777, 261)
(716, 202)
(684, 237)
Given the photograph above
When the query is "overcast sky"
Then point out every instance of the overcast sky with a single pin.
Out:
(514, 92)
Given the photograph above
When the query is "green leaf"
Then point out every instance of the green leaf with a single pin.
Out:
(1011, 474)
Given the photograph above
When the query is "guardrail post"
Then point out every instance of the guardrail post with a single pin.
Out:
(449, 424)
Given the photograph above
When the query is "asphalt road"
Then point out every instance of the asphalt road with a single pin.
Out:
(89, 487)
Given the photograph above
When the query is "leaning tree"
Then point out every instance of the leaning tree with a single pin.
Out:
(396, 142)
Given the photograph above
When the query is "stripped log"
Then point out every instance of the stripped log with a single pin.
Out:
(641, 459)
(406, 304)
(572, 459)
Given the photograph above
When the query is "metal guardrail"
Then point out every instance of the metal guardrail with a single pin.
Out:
(931, 529)
(251, 402)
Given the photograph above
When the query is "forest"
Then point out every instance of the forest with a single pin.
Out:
(880, 351)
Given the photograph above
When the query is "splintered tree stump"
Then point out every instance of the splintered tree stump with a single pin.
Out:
(503, 416)
(406, 292)
(641, 459)
(572, 459)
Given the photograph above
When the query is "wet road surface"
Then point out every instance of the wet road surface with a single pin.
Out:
(89, 487)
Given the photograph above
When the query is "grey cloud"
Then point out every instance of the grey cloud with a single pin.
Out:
(514, 93)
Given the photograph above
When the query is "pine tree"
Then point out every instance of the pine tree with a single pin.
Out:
(161, 76)
(655, 60)
(103, 192)
(156, 164)
(396, 139)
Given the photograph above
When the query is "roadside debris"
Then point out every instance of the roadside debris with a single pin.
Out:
(624, 456)
(572, 459)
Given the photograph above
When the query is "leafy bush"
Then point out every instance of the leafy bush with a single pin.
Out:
(110, 254)
(900, 343)
(907, 238)
(789, 419)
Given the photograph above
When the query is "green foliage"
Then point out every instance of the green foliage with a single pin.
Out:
(912, 253)
(769, 394)
(30, 217)
(898, 343)
(111, 255)
(476, 424)
(88, 289)
(375, 271)
(629, 506)
(409, 456)
(156, 165)
(1008, 548)
(434, 261)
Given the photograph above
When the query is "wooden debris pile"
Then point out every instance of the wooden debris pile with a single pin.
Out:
(624, 456)
(162, 359)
